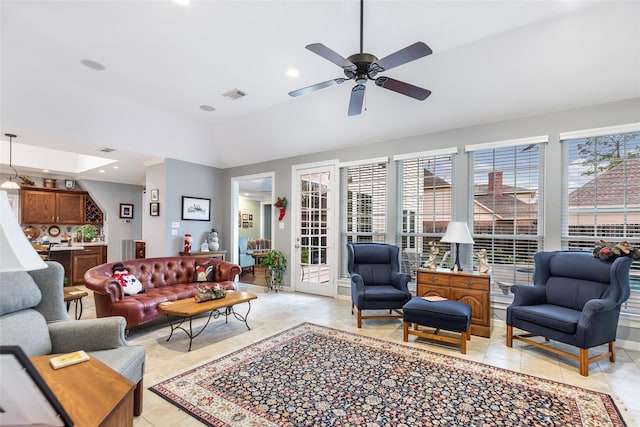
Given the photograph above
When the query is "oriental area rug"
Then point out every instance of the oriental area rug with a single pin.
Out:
(312, 375)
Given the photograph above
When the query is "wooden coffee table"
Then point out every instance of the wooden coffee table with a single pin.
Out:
(188, 308)
(90, 392)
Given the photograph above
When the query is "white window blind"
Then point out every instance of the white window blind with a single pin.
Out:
(363, 211)
(424, 200)
(602, 195)
(507, 203)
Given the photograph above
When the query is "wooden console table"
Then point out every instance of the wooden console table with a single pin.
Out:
(90, 392)
(469, 287)
(210, 254)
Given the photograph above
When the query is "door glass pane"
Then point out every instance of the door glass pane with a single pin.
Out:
(314, 249)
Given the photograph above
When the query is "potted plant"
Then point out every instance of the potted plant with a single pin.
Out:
(276, 264)
(88, 232)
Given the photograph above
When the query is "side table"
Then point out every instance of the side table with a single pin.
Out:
(90, 392)
(222, 255)
(74, 295)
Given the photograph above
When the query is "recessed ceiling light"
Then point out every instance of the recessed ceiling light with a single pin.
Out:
(93, 65)
(116, 167)
(182, 2)
(292, 72)
(101, 171)
(45, 170)
(207, 108)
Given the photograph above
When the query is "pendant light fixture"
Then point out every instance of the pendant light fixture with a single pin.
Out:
(10, 184)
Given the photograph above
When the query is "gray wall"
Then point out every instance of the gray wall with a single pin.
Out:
(108, 196)
(174, 179)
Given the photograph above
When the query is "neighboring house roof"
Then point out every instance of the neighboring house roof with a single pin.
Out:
(431, 181)
(506, 206)
(605, 188)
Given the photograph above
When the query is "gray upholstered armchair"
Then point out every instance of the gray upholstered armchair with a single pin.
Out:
(33, 316)
(576, 299)
(245, 260)
(376, 281)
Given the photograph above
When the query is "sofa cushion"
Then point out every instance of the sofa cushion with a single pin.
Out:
(17, 292)
(28, 329)
(551, 316)
(203, 272)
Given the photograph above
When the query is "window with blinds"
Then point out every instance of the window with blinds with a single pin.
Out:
(602, 193)
(507, 202)
(424, 200)
(363, 211)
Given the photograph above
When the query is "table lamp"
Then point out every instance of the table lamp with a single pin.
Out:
(457, 232)
(16, 253)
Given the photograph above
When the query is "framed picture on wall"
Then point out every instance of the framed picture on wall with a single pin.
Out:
(196, 208)
(155, 195)
(154, 209)
(250, 217)
(126, 210)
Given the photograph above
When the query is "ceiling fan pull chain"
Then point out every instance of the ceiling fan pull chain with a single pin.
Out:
(361, 26)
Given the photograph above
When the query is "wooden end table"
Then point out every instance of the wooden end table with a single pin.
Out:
(75, 295)
(90, 392)
(188, 308)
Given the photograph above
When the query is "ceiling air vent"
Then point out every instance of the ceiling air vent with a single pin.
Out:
(106, 149)
(234, 94)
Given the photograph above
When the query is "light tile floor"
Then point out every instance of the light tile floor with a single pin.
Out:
(274, 312)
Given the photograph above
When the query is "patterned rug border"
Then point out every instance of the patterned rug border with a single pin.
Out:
(258, 348)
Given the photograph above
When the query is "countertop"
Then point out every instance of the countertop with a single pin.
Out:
(75, 247)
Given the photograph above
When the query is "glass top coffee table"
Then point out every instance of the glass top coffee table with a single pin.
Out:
(188, 308)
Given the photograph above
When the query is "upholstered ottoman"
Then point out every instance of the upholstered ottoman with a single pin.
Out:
(448, 315)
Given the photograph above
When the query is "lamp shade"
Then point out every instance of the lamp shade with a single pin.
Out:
(16, 253)
(457, 232)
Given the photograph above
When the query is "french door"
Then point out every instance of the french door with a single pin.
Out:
(314, 232)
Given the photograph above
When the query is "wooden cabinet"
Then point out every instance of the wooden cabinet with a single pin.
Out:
(85, 259)
(52, 207)
(141, 249)
(471, 288)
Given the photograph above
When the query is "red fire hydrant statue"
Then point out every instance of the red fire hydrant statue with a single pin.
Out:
(187, 243)
(281, 204)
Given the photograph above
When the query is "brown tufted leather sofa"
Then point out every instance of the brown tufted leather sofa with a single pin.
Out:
(163, 279)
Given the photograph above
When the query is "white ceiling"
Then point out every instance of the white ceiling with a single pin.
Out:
(492, 60)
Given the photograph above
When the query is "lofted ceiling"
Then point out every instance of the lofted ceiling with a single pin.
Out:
(492, 60)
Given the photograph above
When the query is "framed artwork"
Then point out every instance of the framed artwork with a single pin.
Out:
(126, 210)
(245, 217)
(196, 208)
(154, 209)
(250, 217)
(155, 195)
(69, 183)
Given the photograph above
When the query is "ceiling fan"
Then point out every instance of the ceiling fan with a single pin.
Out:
(365, 66)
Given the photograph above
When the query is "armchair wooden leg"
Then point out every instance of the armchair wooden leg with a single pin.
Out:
(509, 336)
(359, 318)
(137, 398)
(612, 351)
(405, 328)
(584, 362)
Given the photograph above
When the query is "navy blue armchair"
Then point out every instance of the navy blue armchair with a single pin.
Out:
(575, 299)
(376, 281)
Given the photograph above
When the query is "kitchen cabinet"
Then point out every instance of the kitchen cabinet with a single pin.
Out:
(52, 207)
(83, 260)
(468, 287)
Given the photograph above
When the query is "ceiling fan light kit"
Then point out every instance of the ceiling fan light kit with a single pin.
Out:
(361, 67)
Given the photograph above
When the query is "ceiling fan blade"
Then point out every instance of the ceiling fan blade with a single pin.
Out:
(329, 55)
(408, 54)
(414, 92)
(317, 86)
(357, 99)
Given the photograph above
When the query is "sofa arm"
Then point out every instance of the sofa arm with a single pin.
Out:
(226, 271)
(106, 285)
(88, 335)
(528, 295)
